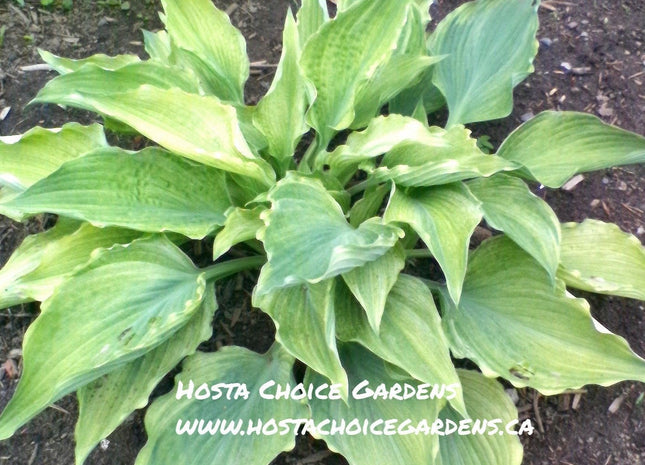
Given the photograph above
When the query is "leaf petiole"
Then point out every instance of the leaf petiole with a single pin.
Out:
(361, 186)
(433, 285)
(418, 253)
(230, 267)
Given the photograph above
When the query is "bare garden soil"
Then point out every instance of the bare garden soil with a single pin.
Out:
(591, 58)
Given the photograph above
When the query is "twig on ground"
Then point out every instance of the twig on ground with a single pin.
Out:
(38, 67)
(536, 411)
(32, 458)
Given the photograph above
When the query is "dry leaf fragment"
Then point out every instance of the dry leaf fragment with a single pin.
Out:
(615, 405)
(573, 182)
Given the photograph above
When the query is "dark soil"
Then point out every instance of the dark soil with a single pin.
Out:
(601, 40)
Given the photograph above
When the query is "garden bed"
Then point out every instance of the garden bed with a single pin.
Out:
(592, 58)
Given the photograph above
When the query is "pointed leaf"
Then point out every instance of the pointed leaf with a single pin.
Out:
(337, 70)
(413, 41)
(67, 65)
(415, 154)
(311, 16)
(510, 206)
(410, 335)
(370, 448)
(420, 113)
(432, 99)
(514, 324)
(445, 218)
(128, 300)
(34, 155)
(306, 327)
(372, 282)
(113, 397)
(369, 205)
(280, 114)
(254, 137)
(382, 135)
(451, 156)
(490, 46)
(342, 5)
(200, 28)
(320, 244)
(600, 257)
(485, 400)
(413, 37)
(554, 146)
(241, 225)
(145, 190)
(43, 261)
(158, 45)
(199, 128)
(228, 365)
(92, 82)
(399, 72)
(25, 259)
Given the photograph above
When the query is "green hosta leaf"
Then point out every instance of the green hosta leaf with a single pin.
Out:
(369, 205)
(28, 158)
(128, 300)
(599, 257)
(420, 114)
(485, 400)
(241, 225)
(554, 146)
(431, 98)
(227, 365)
(410, 334)
(446, 157)
(424, 10)
(25, 259)
(280, 114)
(413, 37)
(372, 282)
(329, 182)
(197, 127)
(91, 83)
(510, 206)
(337, 70)
(399, 72)
(311, 16)
(415, 154)
(369, 448)
(514, 324)
(199, 28)
(490, 46)
(146, 191)
(382, 135)
(445, 218)
(254, 137)
(67, 65)
(43, 261)
(306, 327)
(342, 5)
(158, 45)
(116, 395)
(207, 79)
(320, 243)
(96, 80)
(334, 188)
(418, 93)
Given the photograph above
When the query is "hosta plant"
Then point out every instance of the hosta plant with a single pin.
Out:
(330, 186)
